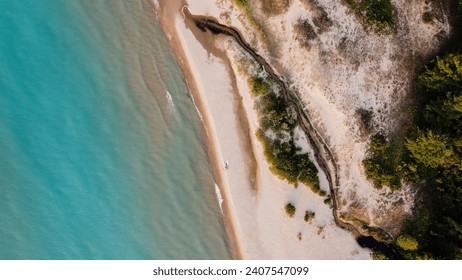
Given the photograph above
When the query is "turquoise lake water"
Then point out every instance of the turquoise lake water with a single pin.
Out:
(97, 159)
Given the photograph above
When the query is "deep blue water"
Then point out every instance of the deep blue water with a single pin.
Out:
(97, 161)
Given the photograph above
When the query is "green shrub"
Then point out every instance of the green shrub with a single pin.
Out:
(431, 150)
(243, 4)
(379, 256)
(290, 209)
(288, 163)
(383, 161)
(378, 14)
(258, 86)
(285, 158)
(443, 74)
(407, 243)
(309, 216)
(275, 114)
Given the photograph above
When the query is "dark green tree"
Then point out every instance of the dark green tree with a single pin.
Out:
(444, 74)
(431, 150)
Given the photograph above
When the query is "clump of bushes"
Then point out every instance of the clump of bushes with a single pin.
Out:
(377, 14)
(321, 19)
(304, 28)
(285, 158)
(246, 6)
(379, 256)
(290, 209)
(243, 4)
(305, 33)
(258, 85)
(275, 7)
(287, 163)
(309, 216)
(275, 114)
(366, 119)
(377, 233)
(407, 242)
(383, 161)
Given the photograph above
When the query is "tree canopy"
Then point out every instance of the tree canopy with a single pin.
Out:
(429, 155)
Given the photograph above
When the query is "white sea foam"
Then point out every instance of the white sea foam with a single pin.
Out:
(171, 105)
(198, 112)
(219, 197)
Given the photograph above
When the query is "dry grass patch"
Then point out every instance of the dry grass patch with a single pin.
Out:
(275, 7)
(305, 33)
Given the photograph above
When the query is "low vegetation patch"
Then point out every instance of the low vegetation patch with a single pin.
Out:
(275, 7)
(365, 116)
(276, 133)
(275, 114)
(246, 6)
(287, 163)
(377, 233)
(407, 243)
(309, 216)
(305, 33)
(320, 19)
(383, 161)
(243, 4)
(379, 256)
(377, 14)
(258, 85)
(427, 17)
(290, 210)
(285, 158)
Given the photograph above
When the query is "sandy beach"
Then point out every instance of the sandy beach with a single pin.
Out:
(254, 199)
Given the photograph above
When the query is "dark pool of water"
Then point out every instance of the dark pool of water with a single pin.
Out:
(386, 249)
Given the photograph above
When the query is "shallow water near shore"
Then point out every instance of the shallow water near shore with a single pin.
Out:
(101, 153)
